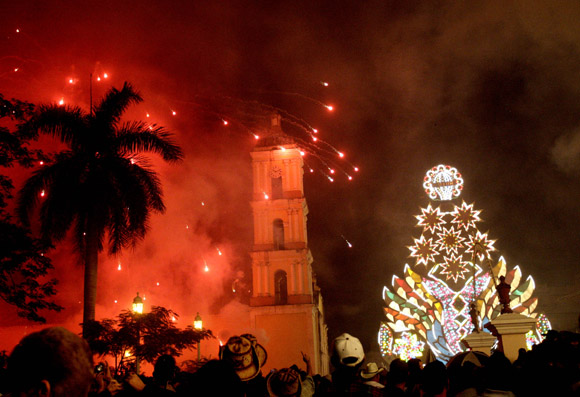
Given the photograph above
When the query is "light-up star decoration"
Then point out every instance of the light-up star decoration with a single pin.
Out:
(431, 219)
(450, 240)
(423, 250)
(432, 301)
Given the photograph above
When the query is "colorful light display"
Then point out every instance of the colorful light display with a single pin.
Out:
(453, 268)
(408, 346)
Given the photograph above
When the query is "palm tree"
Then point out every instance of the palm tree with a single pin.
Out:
(101, 186)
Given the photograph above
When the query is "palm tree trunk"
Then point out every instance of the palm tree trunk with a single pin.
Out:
(91, 256)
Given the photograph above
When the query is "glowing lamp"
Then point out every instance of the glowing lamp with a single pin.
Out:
(197, 323)
(137, 304)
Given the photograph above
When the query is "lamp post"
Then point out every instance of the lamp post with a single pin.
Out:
(198, 325)
(138, 310)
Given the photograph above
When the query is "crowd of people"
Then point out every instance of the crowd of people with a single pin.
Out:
(55, 363)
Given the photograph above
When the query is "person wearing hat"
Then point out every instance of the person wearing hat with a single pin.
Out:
(285, 382)
(347, 357)
(368, 382)
(247, 357)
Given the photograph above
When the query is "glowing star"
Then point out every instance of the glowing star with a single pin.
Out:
(349, 177)
(266, 197)
(17, 30)
(355, 169)
(256, 137)
(331, 170)
(173, 112)
(302, 153)
(324, 83)
(119, 267)
(16, 69)
(98, 78)
(202, 204)
(449, 240)
(61, 102)
(465, 216)
(158, 284)
(41, 162)
(147, 115)
(329, 107)
(454, 267)
(431, 219)
(408, 346)
(42, 194)
(443, 183)
(315, 130)
(225, 122)
(206, 268)
(340, 154)
(423, 250)
(219, 252)
(71, 81)
(106, 76)
(479, 243)
(314, 138)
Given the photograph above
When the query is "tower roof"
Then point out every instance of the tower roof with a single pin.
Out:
(273, 135)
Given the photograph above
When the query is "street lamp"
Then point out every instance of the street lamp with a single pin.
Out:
(138, 304)
(138, 310)
(198, 325)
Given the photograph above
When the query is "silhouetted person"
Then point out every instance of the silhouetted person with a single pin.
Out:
(53, 362)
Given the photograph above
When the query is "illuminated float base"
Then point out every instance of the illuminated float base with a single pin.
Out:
(512, 328)
(480, 342)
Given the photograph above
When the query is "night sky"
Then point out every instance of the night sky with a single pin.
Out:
(489, 87)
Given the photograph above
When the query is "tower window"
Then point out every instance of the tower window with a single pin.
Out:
(281, 287)
(277, 192)
(278, 234)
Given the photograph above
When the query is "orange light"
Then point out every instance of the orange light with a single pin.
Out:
(173, 112)
(340, 154)
(41, 162)
(331, 171)
(17, 30)
(350, 178)
(98, 78)
(42, 193)
(106, 76)
(329, 107)
(256, 136)
(314, 138)
(119, 267)
(356, 169)
(61, 102)
(16, 69)
(147, 115)
(302, 153)
(266, 196)
(206, 269)
(315, 130)
(225, 122)
(71, 81)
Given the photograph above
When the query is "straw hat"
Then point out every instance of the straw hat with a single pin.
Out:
(284, 383)
(370, 371)
(246, 355)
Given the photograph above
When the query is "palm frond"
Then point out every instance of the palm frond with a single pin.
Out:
(65, 123)
(115, 102)
(137, 136)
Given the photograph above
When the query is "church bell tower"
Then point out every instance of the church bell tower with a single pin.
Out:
(286, 302)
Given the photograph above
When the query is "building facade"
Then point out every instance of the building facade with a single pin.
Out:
(286, 302)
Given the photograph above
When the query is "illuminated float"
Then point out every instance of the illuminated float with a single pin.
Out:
(429, 305)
